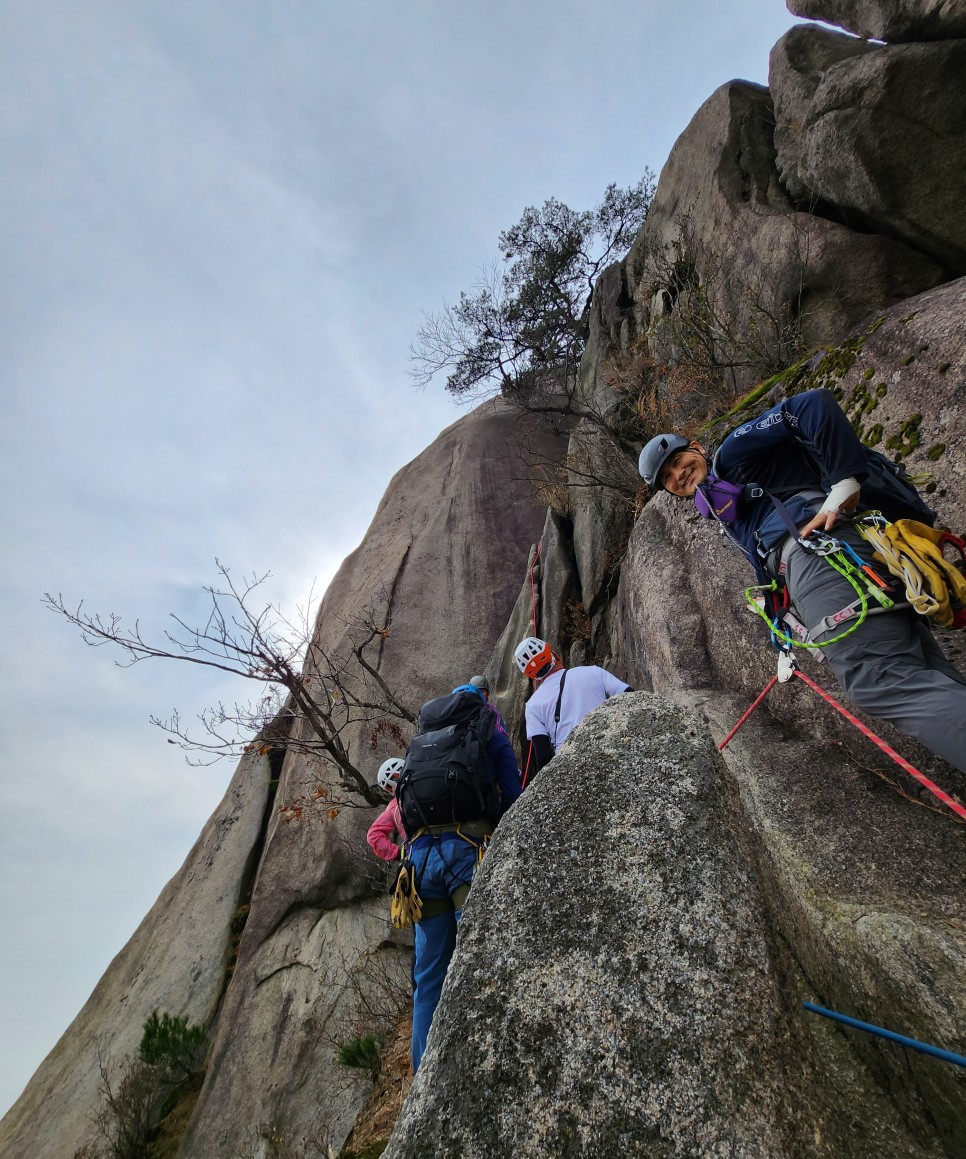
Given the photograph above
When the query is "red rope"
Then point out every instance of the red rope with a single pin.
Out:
(768, 687)
(887, 749)
(533, 590)
(526, 771)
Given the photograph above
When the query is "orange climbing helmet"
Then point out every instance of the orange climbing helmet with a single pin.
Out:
(534, 657)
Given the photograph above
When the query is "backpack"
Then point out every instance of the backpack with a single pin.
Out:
(447, 775)
(887, 486)
(890, 487)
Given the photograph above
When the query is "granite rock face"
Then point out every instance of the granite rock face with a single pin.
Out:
(876, 132)
(863, 886)
(615, 990)
(906, 394)
(890, 20)
(796, 66)
(722, 226)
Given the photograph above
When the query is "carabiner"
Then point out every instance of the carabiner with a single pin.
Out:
(820, 542)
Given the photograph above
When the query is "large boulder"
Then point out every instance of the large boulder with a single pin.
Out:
(797, 65)
(862, 881)
(723, 241)
(876, 133)
(837, 827)
(616, 989)
(890, 20)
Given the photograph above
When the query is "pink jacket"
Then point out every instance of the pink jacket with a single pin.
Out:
(382, 830)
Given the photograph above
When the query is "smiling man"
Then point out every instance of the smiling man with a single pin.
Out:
(799, 468)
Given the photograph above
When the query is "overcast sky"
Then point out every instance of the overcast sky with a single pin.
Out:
(220, 222)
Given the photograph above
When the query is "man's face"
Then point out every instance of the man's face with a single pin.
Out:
(684, 472)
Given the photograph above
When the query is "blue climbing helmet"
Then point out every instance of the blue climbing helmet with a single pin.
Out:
(656, 453)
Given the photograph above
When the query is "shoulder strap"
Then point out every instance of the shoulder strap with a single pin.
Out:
(748, 490)
(485, 723)
(556, 711)
(784, 514)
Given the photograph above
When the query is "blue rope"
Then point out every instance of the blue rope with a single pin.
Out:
(913, 1043)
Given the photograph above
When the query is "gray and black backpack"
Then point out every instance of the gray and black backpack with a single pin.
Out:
(448, 776)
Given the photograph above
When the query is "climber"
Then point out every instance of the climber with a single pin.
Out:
(563, 697)
(460, 777)
(799, 468)
(386, 835)
(483, 685)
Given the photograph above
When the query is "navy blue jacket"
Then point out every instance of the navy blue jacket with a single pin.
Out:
(805, 443)
(507, 771)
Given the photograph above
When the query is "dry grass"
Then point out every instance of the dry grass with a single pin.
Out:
(378, 1117)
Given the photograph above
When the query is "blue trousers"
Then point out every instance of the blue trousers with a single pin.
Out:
(443, 863)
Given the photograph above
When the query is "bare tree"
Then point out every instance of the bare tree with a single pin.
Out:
(313, 697)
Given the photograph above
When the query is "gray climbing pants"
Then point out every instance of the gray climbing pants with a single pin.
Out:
(891, 666)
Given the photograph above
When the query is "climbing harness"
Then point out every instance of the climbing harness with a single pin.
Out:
(914, 554)
(719, 500)
(475, 833)
(787, 669)
(849, 564)
(902, 1039)
(407, 907)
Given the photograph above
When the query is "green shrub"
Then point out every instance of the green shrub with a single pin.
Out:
(171, 1043)
(362, 1052)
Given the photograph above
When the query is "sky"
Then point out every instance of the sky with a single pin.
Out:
(221, 222)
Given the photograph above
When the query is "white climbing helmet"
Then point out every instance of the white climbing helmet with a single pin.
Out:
(388, 775)
(532, 656)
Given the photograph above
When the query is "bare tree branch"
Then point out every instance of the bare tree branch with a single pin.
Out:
(313, 695)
